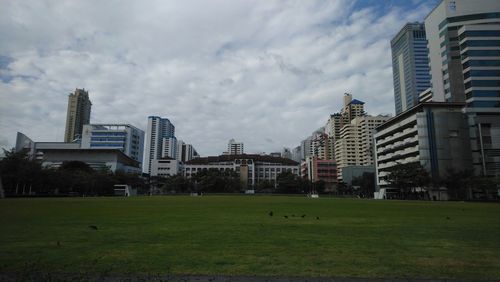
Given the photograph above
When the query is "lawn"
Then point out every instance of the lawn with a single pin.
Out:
(235, 235)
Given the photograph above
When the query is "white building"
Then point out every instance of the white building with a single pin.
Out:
(124, 137)
(252, 169)
(185, 152)
(165, 167)
(54, 154)
(160, 141)
(234, 148)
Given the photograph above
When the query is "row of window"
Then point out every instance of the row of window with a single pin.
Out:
(94, 133)
(480, 43)
(481, 63)
(482, 83)
(483, 93)
(481, 16)
(93, 145)
(481, 73)
(107, 139)
(484, 104)
(479, 33)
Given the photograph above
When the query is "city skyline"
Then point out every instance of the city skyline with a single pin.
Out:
(268, 78)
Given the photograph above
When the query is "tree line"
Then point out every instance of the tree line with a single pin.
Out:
(414, 182)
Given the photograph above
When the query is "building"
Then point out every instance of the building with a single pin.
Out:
(321, 146)
(297, 154)
(355, 145)
(124, 137)
(252, 169)
(185, 152)
(315, 169)
(410, 65)
(165, 167)
(464, 49)
(433, 134)
(54, 154)
(234, 148)
(78, 114)
(350, 173)
(286, 153)
(160, 141)
(425, 96)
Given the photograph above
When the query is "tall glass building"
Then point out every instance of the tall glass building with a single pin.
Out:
(410, 65)
(160, 141)
(464, 49)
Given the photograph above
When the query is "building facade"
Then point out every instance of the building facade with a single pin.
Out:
(185, 152)
(78, 114)
(315, 169)
(165, 167)
(410, 65)
(124, 137)
(252, 169)
(464, 45)
(160, 141)
(234, 148)
(355, 145)
(435, 135)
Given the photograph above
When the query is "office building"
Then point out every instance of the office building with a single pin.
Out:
(464, 48)
(434, 134)
(78, 114)
(160, 141)
(410, 65)
(124, 137)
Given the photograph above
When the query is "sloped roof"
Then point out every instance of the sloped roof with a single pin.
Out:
(357, 102)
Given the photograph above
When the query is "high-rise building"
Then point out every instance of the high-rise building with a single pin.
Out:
(410, 65)
(354, 147)
(78, 114)
(185, 152)
(464, 48)
(124, 137)
(160, 141)
(234, 148)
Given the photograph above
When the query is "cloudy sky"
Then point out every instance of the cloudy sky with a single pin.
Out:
(267, 73)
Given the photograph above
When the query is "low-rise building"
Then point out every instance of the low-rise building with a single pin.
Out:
(165, 167)
(315, 169)
(252, 168)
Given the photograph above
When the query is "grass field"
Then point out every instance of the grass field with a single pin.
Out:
(234, 235)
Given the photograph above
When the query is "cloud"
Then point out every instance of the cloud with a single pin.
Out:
(250, 70)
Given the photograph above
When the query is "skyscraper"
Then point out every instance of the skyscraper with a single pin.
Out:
(78, 114)
(464, 49)
(410, 65)
(160, 141)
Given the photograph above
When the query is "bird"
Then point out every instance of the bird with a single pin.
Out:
(285, 216)
(317, 217)
(303, 216)
(448, 217)
(93, 227)
(271, 213)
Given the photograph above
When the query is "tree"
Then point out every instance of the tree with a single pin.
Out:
(290, 183)
(407, 177)
(366, 183)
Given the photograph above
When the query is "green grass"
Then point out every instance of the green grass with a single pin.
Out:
(234, 235)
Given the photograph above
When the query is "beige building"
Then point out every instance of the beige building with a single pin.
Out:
(355, 145)
(78, 114)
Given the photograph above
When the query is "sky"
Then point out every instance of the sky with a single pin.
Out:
(266, 73)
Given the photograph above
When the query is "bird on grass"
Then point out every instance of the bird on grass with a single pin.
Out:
(285, 216)
(317, 217)
(303, 216)
(93, 227)
(271, 213)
